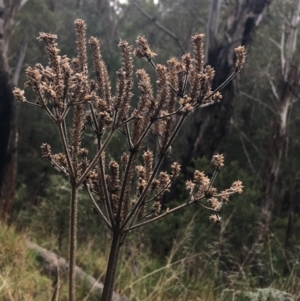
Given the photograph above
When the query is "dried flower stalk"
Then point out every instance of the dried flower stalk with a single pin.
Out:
(182, 87)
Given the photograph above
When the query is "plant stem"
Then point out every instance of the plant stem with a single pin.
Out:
(111, 270)
(73, 241)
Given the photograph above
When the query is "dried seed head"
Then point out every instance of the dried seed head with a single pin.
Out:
(124, 160)
(46, 150)
(225, 195)
(187, 61)
(155, 184)
(83, 152)
(141, 185)
(33, 75)
(148, 162)
(208, 191)
(175, 167)
(217, 97)
(215, 219)
(156, 208)
(200, 178)
(80, 28)
(141, 171)
(144, 49)
(60, 159)
(218, 161)
(197, 40)
(102, 81)
(240, 58)
(215, 204)
(105, 118)
(93, 175)
(190, 185)
(237, 187)
(19, 95)
(114, 168)
(164, 178)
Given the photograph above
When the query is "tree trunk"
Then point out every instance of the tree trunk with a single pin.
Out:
(285, 95)
(209, 126)
(8, 146)
(8, 124)
(8, 132)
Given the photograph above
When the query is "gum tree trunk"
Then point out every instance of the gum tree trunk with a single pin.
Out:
(285, 96)
(209, 125)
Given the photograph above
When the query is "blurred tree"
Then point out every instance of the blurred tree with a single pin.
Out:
(285, 89)
(241, 18)
(8, 126)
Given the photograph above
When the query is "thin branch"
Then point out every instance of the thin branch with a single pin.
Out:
(183, 205)
(170, 114)
(258, 100)
(125, 182)
(227, 81)
(160, 192)
(66, 149)
(247, 155)
(127, 121)
(94, 118)
(59, 168)
(107, 203)
(244, 135)
(97, 207)
(44, 105)
(130, 143)
(33, 104)
(64, 114)
(97, 156)
(153, 19)
(155, 170)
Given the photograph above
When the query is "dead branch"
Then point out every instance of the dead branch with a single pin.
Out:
(51, 263)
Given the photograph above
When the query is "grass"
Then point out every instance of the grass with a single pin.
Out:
(182, 276)
(20, 275)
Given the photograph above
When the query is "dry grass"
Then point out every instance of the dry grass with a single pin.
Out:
(20, 277)
(183, 276)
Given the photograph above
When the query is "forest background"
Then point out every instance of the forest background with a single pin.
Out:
(256, 127)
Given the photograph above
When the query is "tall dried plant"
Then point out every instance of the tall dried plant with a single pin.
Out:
(126, 192)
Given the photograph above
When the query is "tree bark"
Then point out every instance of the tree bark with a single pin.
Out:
(285, 95)
(209, 126)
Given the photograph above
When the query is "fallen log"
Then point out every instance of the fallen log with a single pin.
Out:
(52, 263)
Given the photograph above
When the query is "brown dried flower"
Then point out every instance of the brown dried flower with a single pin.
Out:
(19, 94)
(215, 204)
(144, 50)
(240, 58)
(46, 150)
(218, 161)
(237, 187)
(216, 219)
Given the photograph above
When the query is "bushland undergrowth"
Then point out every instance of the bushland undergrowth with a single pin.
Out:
(126, 192)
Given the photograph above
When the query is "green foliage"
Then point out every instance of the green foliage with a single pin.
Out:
(51, 216)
